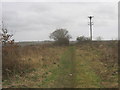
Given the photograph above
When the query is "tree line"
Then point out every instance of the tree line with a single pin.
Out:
(61, 37)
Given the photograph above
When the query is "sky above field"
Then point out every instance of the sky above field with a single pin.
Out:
(34, 21)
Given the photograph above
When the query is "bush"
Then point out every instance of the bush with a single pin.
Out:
(62, 41)
(83, 38)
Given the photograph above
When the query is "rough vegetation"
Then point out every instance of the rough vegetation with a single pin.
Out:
(83, 39)
(86, 65)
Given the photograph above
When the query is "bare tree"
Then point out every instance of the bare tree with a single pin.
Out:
(61, 36)
(5, 37)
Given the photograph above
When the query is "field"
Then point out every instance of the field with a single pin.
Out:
(83, 65)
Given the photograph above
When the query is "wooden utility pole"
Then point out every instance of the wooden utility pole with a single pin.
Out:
(90, 23)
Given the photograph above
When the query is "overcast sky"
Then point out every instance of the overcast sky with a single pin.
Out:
(33, 21)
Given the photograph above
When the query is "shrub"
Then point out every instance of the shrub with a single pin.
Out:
(83, 38)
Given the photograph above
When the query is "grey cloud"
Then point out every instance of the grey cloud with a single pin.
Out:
(40, 19)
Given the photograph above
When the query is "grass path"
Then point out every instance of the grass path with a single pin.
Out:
(66, 78)
(75, 71)
(60, 76)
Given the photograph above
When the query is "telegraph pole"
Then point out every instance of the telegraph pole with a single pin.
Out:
(90, 23)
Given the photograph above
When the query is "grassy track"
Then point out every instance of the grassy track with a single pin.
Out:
(60, 76)
(75, 71)
(66, 70)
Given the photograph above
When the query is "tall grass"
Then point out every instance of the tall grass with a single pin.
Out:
(21, 60)
(11, 59)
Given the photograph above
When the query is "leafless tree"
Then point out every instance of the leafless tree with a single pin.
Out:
(5, 37)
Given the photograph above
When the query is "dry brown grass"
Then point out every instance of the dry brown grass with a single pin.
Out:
(32, 64)
(20, 60)
(106, 53)
(11, 59)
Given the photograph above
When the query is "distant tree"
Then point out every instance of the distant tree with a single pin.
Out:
(60, 36)
(99, 38)
(5, 37)
(82, 38)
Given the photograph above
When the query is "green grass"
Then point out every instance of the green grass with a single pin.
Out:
(85, 76)
(67, 67)
(60, 75)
